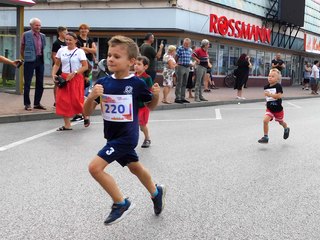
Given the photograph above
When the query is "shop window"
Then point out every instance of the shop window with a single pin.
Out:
(288, 69)
(234, 54)
(140, 41)
(243, 50)
(213, 59)
(260, 63)
(253, 59)
(103, 48)
(223, 59)
(268, 60)
(7, 71)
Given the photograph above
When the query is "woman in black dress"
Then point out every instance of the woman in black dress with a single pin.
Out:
(242, 74)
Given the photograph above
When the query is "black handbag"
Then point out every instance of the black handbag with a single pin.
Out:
(61, 82)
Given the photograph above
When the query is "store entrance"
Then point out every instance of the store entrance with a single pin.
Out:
(296, 69)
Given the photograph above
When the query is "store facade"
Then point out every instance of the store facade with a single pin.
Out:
(224, 26)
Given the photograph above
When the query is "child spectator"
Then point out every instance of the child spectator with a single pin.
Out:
(140, 67)
(119, 96)
(273, 92)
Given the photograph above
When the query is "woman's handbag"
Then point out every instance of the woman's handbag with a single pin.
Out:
(61, 82)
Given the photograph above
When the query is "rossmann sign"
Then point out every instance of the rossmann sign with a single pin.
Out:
(239, 29)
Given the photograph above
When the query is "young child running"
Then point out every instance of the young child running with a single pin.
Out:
(273, 92)
(119, 96)
(140, 67)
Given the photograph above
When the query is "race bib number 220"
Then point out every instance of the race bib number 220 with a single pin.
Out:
(117, 108)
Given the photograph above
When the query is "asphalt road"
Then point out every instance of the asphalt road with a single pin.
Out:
(221, 183)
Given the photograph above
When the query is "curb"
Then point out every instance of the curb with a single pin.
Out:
(51, 115)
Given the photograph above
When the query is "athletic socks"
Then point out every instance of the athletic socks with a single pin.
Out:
(155, 193)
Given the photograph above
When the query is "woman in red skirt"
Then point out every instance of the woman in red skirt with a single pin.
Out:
(69, 98)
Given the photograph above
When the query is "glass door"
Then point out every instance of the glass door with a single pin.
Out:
(8, 40)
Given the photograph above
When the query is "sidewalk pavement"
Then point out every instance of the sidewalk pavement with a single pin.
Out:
(12, 108)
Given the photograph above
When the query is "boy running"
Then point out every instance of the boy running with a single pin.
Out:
(140, 67)
(119, 96)
(273, 92)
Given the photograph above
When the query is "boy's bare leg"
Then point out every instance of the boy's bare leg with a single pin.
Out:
(96, 169)
(145, 131)
(144, 176)
(283, 124)
(266, 121)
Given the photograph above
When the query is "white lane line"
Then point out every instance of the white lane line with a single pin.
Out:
(183, 120)
(171, 120)
(218, 114)
(14, 144)
(293, 105)
(243, 108)
(22, 141)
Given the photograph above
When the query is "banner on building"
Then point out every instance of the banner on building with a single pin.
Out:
(311, 43)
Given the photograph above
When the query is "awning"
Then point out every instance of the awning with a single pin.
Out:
(18, 2)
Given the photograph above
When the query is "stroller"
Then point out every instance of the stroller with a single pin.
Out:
(100, 71)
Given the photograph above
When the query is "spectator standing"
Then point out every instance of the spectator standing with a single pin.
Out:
(278, 63)
(33, 43)
(74, 63)
(242, 74)
(209, 82)
(169, 64)
(191, 77)
(147, 50)
(59, 43)
(306, 75)
(90, 49)
(314, 77)
(86, 43)
(202, 58)
(183, 58)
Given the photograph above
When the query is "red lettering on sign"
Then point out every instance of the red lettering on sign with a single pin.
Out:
(223, 25)
(231, 27)
(213, 22)
(238, 29)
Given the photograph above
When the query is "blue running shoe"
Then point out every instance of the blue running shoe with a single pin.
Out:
(159, 200)
(118, 212)
(286, 133)
(263, 140)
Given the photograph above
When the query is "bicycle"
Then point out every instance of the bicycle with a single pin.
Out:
(230, 79)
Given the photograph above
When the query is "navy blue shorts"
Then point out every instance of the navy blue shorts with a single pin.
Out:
(122, 153)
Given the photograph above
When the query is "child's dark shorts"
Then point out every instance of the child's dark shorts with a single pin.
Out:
(122, 153)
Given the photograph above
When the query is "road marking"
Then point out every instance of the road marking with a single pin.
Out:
(14, 144)
(294, 105)
(174, 120)
(218, 114)
(183, 120)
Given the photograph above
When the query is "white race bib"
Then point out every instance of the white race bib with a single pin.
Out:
(117, 108)
(272, 91)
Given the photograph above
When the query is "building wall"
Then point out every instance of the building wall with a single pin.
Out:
(170, 21)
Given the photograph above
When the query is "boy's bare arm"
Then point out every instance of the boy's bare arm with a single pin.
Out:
(273, 95)
(155, 99)
(90, 103)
